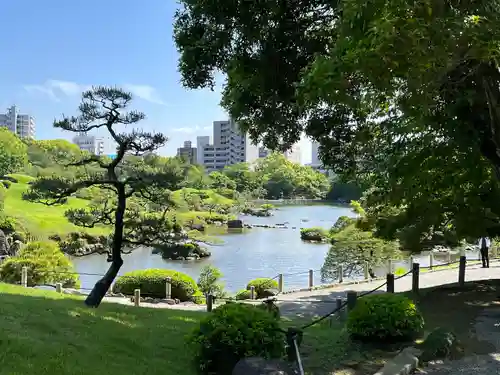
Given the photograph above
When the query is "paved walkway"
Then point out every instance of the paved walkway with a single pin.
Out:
(322, 301)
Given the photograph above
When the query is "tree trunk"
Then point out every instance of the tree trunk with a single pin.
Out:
(102, 286)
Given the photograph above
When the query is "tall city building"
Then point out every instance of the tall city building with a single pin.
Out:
(315, 153)
(90, 143)
(293, 154)
(188, 153)
(229, 146)
(21, 124)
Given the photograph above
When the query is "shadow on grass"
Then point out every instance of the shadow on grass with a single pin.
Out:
(45, 334)
(327, 348)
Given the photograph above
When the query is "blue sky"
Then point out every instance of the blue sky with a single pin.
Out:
(54, 49)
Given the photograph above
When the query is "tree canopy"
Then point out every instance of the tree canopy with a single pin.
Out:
(402, 97)
(12, 152)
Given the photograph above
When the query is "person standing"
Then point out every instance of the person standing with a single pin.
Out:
(484, 248)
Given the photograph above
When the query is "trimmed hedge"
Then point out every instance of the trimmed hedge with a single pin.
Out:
(261, 285)
(385, 317)
(232, 332)
(152, 283)
(242, 295)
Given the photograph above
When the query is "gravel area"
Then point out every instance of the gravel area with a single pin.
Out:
(487, 327)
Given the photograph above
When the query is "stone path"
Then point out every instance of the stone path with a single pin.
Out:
(487, 327)
(322, 301)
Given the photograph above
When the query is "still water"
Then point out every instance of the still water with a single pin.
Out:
(257, 252)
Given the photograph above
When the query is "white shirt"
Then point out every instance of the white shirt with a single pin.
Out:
(488, 242)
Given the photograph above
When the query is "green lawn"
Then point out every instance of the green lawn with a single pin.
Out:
(38, 219)
(45, 333)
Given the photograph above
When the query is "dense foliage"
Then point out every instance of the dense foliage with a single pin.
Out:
(402, 97)
(152, 283)
(209, 281)
(234, 331)
(46, 265)
(385, 317)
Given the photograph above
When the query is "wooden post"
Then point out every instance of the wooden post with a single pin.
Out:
(341, 274)
(341, 312)
(461, 270)
(24, 276)
(168, 288)
(415, 277)
(311, 279)
(137, 297)
(390, 283)
(449, 257)
(431, 260)
(210, 302)
(352, 297)
(389, 266)
(252, 292)
(366, 271)
(58, 287)
(280, 283)
(411, 262)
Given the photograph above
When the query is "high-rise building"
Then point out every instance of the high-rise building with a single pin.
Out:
(90, 143)
(293, 154)
(230, 146)
(21, 124)
(315, 153)
(188, 153)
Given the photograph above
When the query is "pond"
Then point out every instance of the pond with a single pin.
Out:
(257, 252)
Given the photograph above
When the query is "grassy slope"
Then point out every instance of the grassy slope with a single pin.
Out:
(41, 220)
(45, 333)
(38, 219)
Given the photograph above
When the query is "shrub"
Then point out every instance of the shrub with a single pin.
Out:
(234, 331)
(262, 286)
(7, 224)
(46, 265)
(243, 294)
(313, 234)
(209, 281)
(384, 316)
(152, 283)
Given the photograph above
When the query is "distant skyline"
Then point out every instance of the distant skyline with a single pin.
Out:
(70, 46)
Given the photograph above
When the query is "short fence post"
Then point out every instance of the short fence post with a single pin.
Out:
(252, 292)
(341, 311)
(280, 283)
(137, 297)
(352, 297)
(168, 288)
(341, 274)
(431, 260)
(311, 279)
(461, 270)
(449, 257)
(366, 271)
(24, 276)
(390, 283)
(411, 262)
(389, 266)
(58, 287)
(415, 277)
(210, 301)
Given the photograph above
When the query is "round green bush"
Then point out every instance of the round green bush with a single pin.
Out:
(46, 265)
(383, 317)
(243, 294)
(262, 286)
(234, 331)
(152, 283)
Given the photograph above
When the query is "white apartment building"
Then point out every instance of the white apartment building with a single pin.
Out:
(293, 154)
(21, 124)
(315, 153)
(230, 146)
(90, 143)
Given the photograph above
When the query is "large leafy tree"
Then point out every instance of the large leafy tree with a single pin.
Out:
(402, 96)
(12, 152)
(130, 184)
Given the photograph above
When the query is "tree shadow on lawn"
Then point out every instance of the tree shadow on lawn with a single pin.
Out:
(51, 335)
(327, 348)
